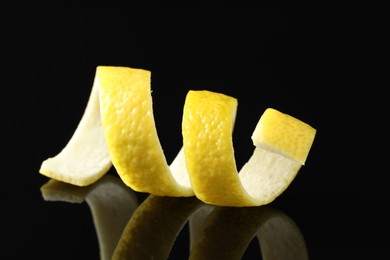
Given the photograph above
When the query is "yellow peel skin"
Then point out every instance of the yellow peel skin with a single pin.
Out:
(208, 121)
(127, 117)
(118, 129)
(284, 134)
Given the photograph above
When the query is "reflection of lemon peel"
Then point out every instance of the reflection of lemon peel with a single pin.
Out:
(111, 203)
(197, 220)
(217, 233)
(207, 127)
(54, 190)
(280, 237)
(154, 226)
(228, 231)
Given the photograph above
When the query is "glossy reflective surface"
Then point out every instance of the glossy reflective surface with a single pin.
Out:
(326, 67)
(107, 220)
(128, 230)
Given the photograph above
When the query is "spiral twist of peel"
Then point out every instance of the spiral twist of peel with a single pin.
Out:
(118, 129)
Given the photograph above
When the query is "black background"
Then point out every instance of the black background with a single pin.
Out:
(327, 67)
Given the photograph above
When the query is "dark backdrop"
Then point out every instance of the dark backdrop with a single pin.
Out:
(327, 67)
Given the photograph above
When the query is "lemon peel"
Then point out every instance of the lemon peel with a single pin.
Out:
(85, 158)
(118, 128)
(207, 126)
(284, 134)
(130, 131)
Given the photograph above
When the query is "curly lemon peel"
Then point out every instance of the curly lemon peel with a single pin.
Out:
(127, 116)
(207, 126)
(118, 128)
(284, 134)
(85, 158)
